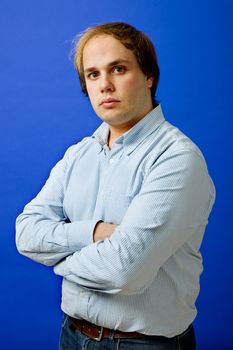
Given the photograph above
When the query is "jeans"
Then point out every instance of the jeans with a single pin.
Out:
(71, 339)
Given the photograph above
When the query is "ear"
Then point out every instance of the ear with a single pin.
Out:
(150, 81)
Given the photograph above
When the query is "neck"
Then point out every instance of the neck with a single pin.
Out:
(116, 131)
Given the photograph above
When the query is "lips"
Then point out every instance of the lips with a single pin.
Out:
(108, 102)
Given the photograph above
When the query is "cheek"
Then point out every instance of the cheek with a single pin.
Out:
(91, 91)
(133, 84)
(130, 82)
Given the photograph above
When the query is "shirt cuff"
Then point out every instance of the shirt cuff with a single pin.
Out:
(80, 234)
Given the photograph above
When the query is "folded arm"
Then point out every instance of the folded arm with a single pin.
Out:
(43, 232)
(173, 203)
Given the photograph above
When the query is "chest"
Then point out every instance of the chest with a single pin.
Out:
(101, 186)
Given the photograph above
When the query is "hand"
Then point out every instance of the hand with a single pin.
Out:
(103, 230)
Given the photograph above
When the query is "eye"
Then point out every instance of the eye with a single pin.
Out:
(92, 75)
(118, 69)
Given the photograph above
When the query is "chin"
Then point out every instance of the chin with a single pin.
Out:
(111, 117)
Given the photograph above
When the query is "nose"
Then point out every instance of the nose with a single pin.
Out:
(106, 84)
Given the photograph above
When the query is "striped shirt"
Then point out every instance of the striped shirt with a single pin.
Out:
(155, 186)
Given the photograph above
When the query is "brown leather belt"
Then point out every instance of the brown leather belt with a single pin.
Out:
(98, 332)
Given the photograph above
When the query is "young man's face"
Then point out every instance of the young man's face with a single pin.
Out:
(118, 90)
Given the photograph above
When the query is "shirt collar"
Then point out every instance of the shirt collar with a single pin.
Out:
(133, 137)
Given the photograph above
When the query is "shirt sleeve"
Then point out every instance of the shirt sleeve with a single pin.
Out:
(43, 232)
(173, 204)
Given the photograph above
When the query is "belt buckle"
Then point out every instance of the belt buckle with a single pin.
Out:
(100, 334)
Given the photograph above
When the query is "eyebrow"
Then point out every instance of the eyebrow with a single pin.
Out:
(111, 64)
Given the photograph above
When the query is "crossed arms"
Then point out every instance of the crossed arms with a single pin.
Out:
(171, 206)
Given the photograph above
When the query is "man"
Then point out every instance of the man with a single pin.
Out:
(122, 215)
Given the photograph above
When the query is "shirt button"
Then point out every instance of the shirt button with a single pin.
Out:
(111, 160)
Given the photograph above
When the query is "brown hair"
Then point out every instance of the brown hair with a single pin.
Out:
(132, 39)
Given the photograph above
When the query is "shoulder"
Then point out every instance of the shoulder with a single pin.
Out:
(174, 142)
(73, 154)
(76, 150)
(175, 155)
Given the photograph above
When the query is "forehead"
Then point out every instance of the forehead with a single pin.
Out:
(104, 49)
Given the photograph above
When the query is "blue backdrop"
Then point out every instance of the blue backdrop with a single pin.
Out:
(42, 112)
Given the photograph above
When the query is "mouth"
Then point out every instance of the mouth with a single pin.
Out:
(109, 102)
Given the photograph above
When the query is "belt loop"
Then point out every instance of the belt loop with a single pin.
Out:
(112, 333)
(100, 334)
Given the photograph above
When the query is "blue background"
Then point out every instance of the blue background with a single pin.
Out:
(42, 112)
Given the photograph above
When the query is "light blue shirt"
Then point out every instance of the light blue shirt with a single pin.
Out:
(155, 186)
